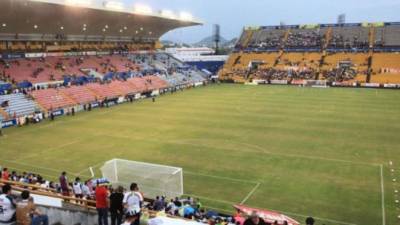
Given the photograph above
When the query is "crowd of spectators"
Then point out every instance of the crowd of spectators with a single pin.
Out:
(340, 74)
(120, 206)
(306, 38)
(270, 41)
(301, 39)
(340, 42)
(285, 74)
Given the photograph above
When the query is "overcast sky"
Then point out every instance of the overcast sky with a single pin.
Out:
(233, 15)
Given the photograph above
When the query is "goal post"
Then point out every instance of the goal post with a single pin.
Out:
(153, 179)
(315, 83)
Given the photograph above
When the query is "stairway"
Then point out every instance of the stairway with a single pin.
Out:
(369, 70)
(284, 40)
(328, 37)
(321, 64)
(249, 35)
(371, 39)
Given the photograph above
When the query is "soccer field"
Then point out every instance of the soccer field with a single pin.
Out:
(300, 151)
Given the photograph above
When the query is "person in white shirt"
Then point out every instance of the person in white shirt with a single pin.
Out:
(133, 201)
(131, 217)
(86, 191)
(77, 188)
(7, 206)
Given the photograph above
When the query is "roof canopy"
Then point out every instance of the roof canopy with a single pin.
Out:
(47, 20)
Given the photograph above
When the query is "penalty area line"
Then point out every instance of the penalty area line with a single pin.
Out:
(383, 197)
(250, 193)
(220, 177)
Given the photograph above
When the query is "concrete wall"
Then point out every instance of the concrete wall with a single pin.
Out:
(65, 216)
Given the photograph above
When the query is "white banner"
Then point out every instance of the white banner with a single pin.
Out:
(35, 55)
(170, 221)
(279, 82)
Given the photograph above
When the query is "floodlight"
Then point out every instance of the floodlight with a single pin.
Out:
(168, 14)
(185, 16)
(116, 5)
(78, 2)
(142, 9)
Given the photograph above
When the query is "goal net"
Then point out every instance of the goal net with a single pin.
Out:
(315, 83)
(153, 179)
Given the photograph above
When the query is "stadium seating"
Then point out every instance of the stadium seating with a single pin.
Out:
(18, 105)
(79, 94)
(103, 91)
(33, 70)
(391, 35)
(140, 83)
(336, 52)
(385, 68)
(349, 37)
(123, 87)
(155, 82)
(311, 60)
(300, 38)
(52, 99)
(41, 70)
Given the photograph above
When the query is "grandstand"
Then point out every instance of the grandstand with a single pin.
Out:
(298, 151)
(368, 51)
(17, 105)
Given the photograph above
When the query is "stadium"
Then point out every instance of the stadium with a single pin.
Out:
(104, 122)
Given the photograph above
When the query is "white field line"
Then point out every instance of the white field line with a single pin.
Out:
(55, 123)
(94, 166)
(383, 197)
(250, 193)
(211, 199)
(259, 151)
(220, 177)
(263, 150)
(49, 149)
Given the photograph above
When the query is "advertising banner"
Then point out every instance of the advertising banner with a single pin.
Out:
(372, 85)
(279, 81)
(13, 56)
(35, 55)
(8, 123)
(95, 105)
(298, 82)
(59, 112)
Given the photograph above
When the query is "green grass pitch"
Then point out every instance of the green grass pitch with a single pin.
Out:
(301, 151)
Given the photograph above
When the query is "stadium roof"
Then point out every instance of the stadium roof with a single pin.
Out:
(38, 19)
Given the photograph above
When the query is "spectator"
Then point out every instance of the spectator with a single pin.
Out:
(310, 221)
(28, 214)
(77, 188)
(177, 202)
(102, 203)
(5, 175)
(133, 201)
(7, 204)
(64, 184)
(116, 206)
(254, 219)
(131, 217)
(86, 192)
(158, 204)
(171, 208)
